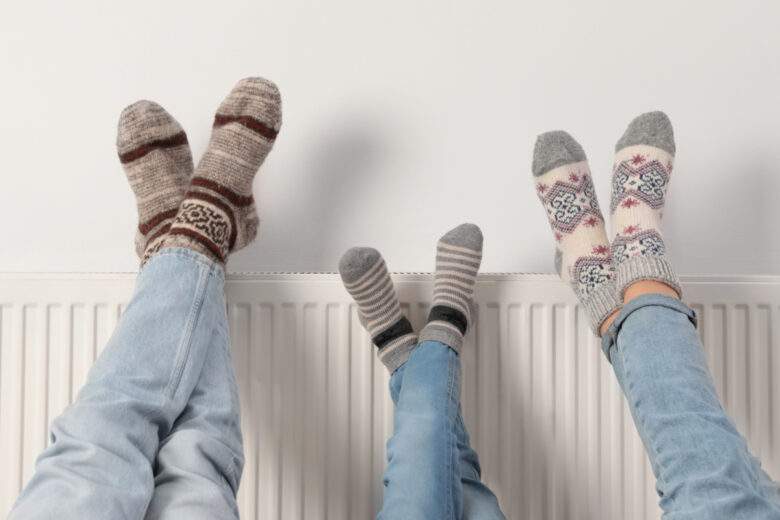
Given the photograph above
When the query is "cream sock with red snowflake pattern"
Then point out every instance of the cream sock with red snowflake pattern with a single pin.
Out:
(643, 164)
(582, 256)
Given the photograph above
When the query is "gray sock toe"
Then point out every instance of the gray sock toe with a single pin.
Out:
(466, 235)
(356, 262)
(554, 149)
(650, 128)
(144, 122)
(258, 98)
(368, 281)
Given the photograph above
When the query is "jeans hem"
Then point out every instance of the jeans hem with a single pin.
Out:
(657, 300)
(215, 268)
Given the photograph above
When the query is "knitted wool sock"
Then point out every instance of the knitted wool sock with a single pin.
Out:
(156, 157)
(458, 256)
(218, 214)
(582, 256)
(365, 276)
(643, 164)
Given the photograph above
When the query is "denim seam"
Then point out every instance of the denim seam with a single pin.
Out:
(640, 417)
(450, 513)
(231, 471)
(189, 254)
(451, 418)
(183, 254)
(183, 352)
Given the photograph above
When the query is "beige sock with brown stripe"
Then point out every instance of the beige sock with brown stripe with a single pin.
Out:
(458, 257)
(218, 214)
(156, 157)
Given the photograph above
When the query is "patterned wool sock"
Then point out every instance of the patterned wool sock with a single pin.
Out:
(365, 277)
(643, 164)
(458, 256)
(156, 157)
(218, 214)
(582, 255)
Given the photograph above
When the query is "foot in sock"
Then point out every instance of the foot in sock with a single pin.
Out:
(365, 276)
(156, 157)
(643, 164)
(582, 256)
(218, 214)
(458, 257)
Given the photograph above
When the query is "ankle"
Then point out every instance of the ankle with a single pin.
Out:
(608, 322)
(642, 287)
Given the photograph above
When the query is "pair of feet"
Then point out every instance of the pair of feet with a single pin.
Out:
(602, 274)
(366, 278)
(209, 209)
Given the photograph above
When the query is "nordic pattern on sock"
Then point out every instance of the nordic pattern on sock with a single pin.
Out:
(582, 250)
(458, 257)
(635, 242)
(640, 175)
(219, 215)
(156, 157)
(366, 278)
(639, 181)
(642, 170)
(583, 257)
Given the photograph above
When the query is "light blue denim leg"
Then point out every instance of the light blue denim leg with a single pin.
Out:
(479, 503)
(99, 464)
(702, 464)
(422, 479)
(199, 464)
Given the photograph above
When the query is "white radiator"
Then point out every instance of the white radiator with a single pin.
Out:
(555, 438)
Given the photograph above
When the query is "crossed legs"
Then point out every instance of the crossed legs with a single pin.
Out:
(702, 464)
(432, 471)
(155, 430)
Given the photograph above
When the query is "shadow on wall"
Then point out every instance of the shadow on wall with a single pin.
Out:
(309, 223)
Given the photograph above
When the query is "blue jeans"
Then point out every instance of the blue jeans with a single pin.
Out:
(154, 432)
(702, 465)
(432, 471)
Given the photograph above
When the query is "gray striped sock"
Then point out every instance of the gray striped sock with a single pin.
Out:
(365, 276)
(458, 256)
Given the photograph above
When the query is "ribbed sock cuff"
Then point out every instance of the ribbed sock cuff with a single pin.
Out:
(637, 268)
(443, 333)
(393, 356)
(600, 303)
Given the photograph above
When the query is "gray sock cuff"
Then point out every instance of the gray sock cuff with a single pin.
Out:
(395, 356)
(434, 332)
(638, 268)
(600, 303)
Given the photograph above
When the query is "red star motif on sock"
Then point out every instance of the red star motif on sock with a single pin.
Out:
(573, 177)
(600, 250)
(541, 188)
(629, 203)
(592, 221)
(638, 159)
(630, 230)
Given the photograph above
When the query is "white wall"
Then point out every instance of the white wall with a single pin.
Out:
(400, 119)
